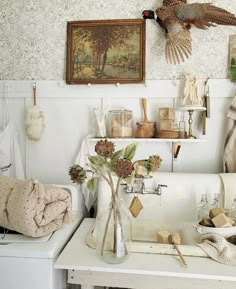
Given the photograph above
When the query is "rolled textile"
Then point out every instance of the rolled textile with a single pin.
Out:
(32, 208)
(229, 158)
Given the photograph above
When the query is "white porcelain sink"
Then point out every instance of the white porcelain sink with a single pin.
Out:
(144, 238)
(175, 211)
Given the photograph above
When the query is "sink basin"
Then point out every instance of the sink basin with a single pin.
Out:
(144, 238)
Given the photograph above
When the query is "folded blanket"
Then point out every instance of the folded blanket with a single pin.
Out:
(219, 249)
(31, 208)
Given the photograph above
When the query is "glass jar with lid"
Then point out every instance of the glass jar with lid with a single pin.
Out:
(120, 123)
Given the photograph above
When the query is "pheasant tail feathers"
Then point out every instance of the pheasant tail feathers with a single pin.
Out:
(219, 16)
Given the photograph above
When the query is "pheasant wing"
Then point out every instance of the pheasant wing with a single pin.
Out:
(204, 15)
(178, 39)
(178, 46)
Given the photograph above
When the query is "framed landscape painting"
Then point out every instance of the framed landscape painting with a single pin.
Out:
(105, 51)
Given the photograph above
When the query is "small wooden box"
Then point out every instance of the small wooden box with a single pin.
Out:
(166, 124)
(167, 113)
(167, 134)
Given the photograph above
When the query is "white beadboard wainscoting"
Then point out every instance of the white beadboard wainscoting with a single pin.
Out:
(69, 117)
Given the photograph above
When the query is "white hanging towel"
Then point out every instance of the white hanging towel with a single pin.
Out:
(10, 156)
(229, 158)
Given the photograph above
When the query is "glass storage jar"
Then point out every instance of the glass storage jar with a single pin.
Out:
(120, 123)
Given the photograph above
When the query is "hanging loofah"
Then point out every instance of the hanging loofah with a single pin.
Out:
(34, 121)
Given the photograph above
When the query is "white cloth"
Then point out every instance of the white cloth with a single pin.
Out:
(229, 159)
(229, 183)
(81, 160)
(219, 249)
(10, 156)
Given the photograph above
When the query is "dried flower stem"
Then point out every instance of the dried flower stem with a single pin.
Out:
(110, 183)
(139, 161)
(105, 233)
(119, 215)
(116, 214)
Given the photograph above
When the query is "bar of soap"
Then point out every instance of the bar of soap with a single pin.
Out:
(221, 221)
(215, 212)
(162, 237)
(206, 222)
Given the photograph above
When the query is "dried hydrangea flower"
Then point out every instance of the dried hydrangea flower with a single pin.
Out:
(104, 148)
(124, 168)
(153, 163)
(77, 174)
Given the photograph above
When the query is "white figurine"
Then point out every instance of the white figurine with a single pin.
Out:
(190, 96)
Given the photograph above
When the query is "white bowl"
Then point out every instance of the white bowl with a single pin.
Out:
(225, 232)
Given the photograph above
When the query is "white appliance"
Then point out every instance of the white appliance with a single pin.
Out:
(28, 263)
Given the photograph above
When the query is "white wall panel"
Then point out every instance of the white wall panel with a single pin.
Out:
(69, 118)
(67, 123)
(206, 157)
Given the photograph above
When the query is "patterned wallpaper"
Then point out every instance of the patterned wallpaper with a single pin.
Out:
(33, 38)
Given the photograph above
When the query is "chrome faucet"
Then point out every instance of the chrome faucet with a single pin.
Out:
(139, 188)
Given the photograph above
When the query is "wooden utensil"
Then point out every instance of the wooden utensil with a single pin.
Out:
(175, 240)
(145, 128)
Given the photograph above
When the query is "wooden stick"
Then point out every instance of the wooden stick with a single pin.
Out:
(175, 239)
(180, 255)
(144, 105)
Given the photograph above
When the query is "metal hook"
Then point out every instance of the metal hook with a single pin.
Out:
(34, 92)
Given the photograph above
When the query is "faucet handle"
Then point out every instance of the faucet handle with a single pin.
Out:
(158, 189)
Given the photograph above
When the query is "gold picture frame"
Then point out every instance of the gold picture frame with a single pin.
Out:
(105, 51)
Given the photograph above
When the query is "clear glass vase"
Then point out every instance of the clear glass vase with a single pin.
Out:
(114, 233)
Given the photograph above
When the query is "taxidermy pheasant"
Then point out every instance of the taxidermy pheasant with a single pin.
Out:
(177, 17)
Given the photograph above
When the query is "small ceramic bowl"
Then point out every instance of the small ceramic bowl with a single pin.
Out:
(225, 232)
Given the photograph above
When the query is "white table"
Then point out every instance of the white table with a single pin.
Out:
(149, 271)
